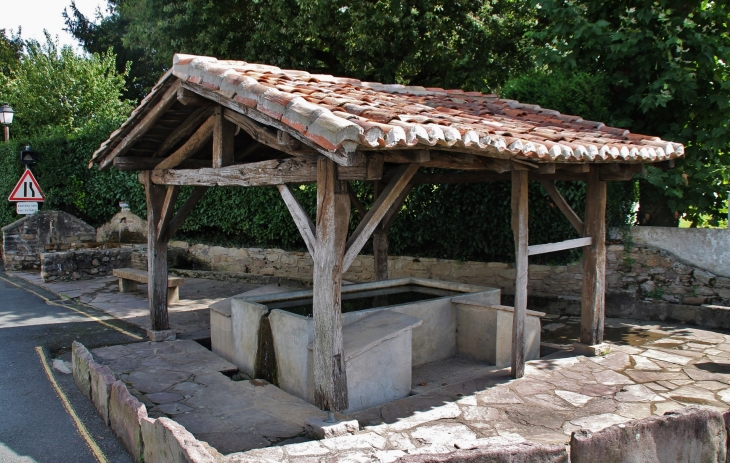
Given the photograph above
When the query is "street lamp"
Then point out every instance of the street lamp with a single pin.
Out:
(6, 118)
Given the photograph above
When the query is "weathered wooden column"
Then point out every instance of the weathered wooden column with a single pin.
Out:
(594, 261)
(520, 230)
(333, 215)
(156, 255)
(380, 242)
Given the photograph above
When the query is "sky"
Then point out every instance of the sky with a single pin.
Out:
(35, 15)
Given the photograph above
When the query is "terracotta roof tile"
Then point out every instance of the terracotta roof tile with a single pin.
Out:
(332, 111)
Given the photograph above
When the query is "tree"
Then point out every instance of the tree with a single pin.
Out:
(54, 89)
(667, 61)
(11, 49)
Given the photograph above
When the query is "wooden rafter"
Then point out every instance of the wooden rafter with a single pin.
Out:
(168, 99)
(377, 212)
(191, 147)
(563, 205)
(263, 173)
(301, 218)
(183, 131)
(139, 163)
(189, 98)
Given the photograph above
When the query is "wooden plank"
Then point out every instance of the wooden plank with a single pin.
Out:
(300, 216)
(189, 98)
(333, 214)
(559, 246)
(168, 209)
(376, 213)
(156, 256)
(185, 210)
(548, 168)
(520, 230)
(183, 131)
(188, 150)
(168, 99)
(563, 205)
(340, 156)
(141, 276)
(361, 210)
(407, 156)
(222, 139)
(594, 262)
(138, 163)
(263, 173)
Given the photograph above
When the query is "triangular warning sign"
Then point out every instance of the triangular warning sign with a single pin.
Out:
(27, 189)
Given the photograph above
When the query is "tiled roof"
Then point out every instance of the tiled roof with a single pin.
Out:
(335, 112)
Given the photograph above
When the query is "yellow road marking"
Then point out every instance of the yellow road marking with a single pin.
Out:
(67, 405)
(96, 319)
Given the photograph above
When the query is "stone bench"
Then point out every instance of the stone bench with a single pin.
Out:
(129, 277)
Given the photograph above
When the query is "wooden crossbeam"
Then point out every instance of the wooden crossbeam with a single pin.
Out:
(340, 157)
(168, 209)
(520, 230)
(168, 99)
(559, 246)
(188, 150)
(563, 205)
(127, 163)
(222, 139)
(301, 218)
(183, 131)
(377, 212)
(263, 173)
(185, 210)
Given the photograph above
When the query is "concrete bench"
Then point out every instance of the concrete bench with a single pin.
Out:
(129, 277)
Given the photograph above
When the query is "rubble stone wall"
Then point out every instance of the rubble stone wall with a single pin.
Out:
(83, 264)
(639, 272)
(25, 239)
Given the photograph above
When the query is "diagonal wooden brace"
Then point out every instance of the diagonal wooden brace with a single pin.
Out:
(563, 205)
(301, 219)
(376, 213)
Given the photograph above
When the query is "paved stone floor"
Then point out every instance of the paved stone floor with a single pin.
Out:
(184, 381)
(189, 317)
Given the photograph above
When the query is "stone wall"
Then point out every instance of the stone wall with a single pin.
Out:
(124, 227)
(639, 272)
(25, 239)
(83, 264)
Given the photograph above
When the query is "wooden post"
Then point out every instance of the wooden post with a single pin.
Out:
(520, 230)
(223, 130)
(156, 255)
(380, 242)
(333, 215)
(594, 262)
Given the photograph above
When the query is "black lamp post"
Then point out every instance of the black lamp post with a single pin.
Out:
(6, 118)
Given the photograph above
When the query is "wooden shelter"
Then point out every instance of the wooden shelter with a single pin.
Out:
(212, 123)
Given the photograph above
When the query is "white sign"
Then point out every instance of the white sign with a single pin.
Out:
(26, 207)
(27, 189)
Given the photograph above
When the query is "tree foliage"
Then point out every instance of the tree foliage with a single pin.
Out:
(667, 65)
(11, 49)
(56, 90)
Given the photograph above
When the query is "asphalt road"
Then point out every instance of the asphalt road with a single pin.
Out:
(34, 425)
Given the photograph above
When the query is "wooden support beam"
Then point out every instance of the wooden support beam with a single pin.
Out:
(189, 98)
(188, 150)
(168, 209)
(156, 256)
(183, 131)
(548, 168)
(407, 156)
(301, 218)
(263, 173)
(361, 210)
(185, 210)
(333, 214)
(266, 136)
(380, 235)
(594, 262)
(168, 99)
(395, 209)
(376, 213)
(138, 163)
(339, 156)
(520, 230)
(222, 139)
(559, 246)
(574, 168)
(563, 205)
